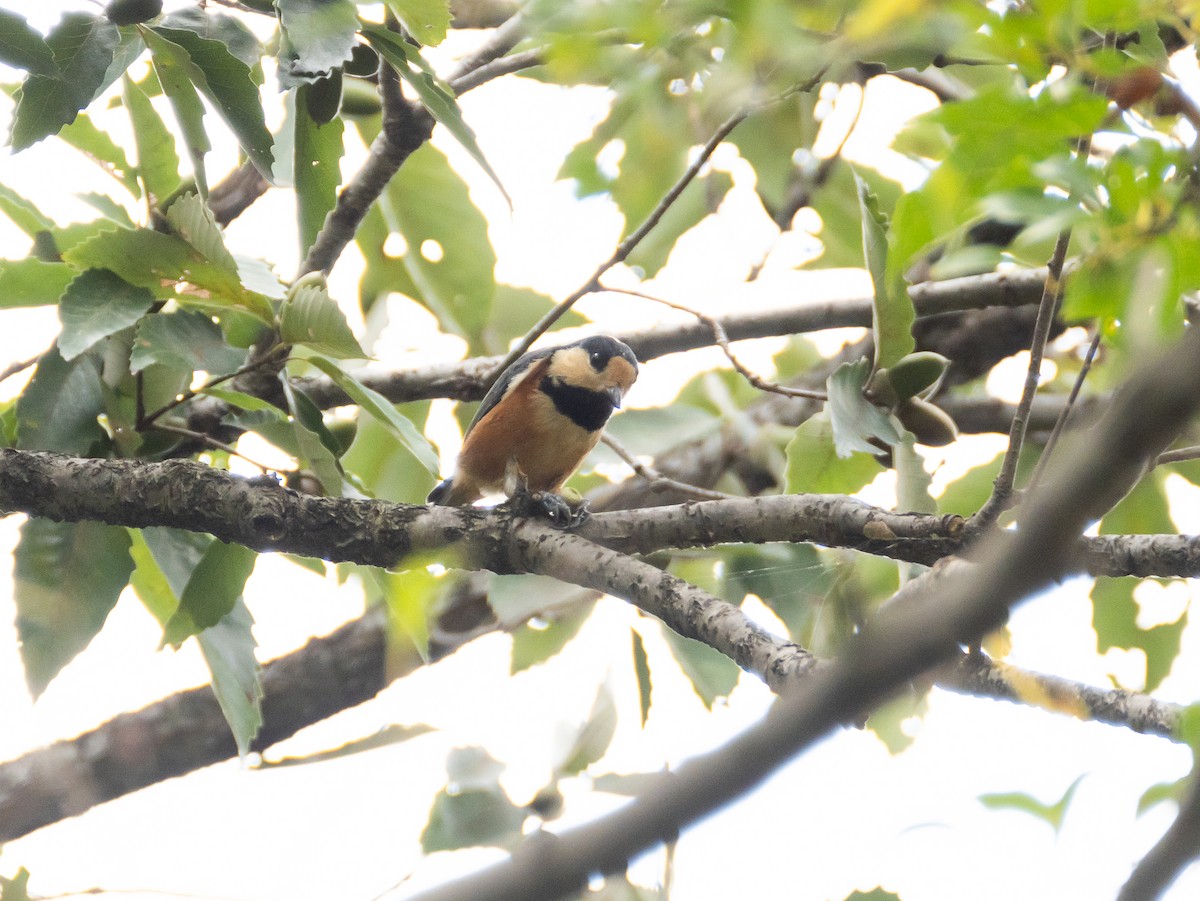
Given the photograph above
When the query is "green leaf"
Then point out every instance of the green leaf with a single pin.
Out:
(425, 20)
(409, 596)
(1162, 792)
(32, 283)
(158, 163)
(167, 560)
(95, 305)
(148, 258)
(515, 599)
(1114, 617)
(24, 215)
(641, 668)
(218, 26)
(389, 735)
(546, 635)
(382, 411)
(875, 894)
(697, 201)
(514, 311)
(211, 592)
(450, 259)
(892, 311)
(852, 417)
(594, 738)
(815, 467)
(192, 220)
(83, 46)
(316, 171)
(434, 93)
(890, 721)
(472, 819)
(15, 888)
(66, 579)
(83, 135)
(312, 318)
(712, 674)
(228, 649)
(793, 580)
(229, 85)
(316, 446)
(58, 410)
(321, 33)
(1051, 814)
(24, 47)
(184, 340)
(177, 75)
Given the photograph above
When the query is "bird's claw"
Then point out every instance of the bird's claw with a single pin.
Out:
(560, 513)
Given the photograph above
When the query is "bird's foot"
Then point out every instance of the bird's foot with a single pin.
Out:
(558, 509)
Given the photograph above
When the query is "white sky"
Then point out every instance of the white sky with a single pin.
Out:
(844, 816)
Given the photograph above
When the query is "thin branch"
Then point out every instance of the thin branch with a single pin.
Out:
(20, 366)
(147, 419)
(626, 247)
(1061, 423)
(654, 477)
(722, 340)
(1177, 848)
(506, 65)
(209, 441)
(497, 45)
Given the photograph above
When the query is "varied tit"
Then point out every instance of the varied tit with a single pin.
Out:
(538, 421)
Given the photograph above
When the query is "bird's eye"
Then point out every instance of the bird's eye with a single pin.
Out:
(597, 360)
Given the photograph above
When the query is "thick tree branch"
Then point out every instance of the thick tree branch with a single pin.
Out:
(943, 609)
(1178, 847)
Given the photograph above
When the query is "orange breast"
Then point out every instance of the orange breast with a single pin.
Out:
(524, 427)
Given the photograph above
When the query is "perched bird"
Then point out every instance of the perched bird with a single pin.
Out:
(538, 422)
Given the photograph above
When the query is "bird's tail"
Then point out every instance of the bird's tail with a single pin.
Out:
(441, 493)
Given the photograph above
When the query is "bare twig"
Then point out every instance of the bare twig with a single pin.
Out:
(1061, 423)
(505, 65)
(497, 45)
(652, 475)
(1178, 847)
(13, 368)
(268, 358)
(722, 340)
(626, 247)
(210, 441)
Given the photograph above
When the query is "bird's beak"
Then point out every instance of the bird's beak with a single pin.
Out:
(614, 395)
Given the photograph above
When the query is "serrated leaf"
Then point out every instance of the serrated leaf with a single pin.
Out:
(434, 94)
(229, 85)
(58, 409)
(316, 171)
(228, 648)
(177, 76)
(32, 283)
(213, 588)
(539, 640)
(383, 411)
(184, 340)
(24, 47)
(712, 674)
(66, 579)
(312, 318)
(158, 163)
(218, 26)
(94, 306)
(853, 419)
(24, 215)
(321, 33)
(472, 819)
(83, 135)
(149, 258)
(191, 219)
(83, 47)
(641, 669)
(815, 467)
